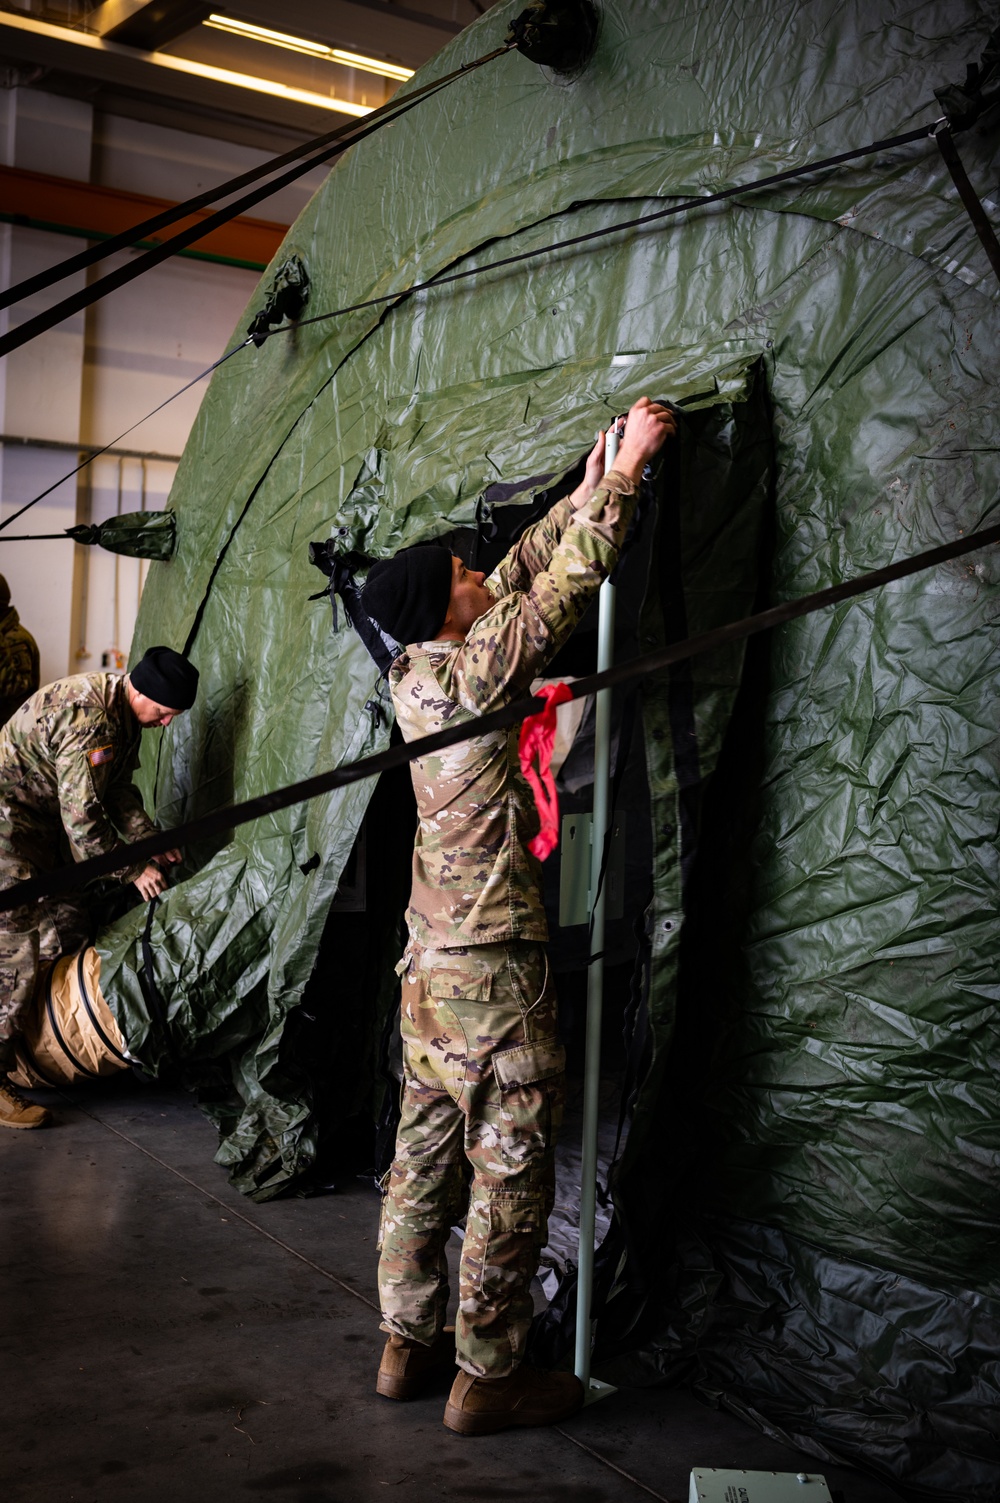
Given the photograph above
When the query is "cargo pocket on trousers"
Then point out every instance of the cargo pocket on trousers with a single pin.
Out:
(456, 983)
(530, 1078)
(512, 1246)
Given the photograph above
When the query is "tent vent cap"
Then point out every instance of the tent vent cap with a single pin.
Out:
(556, 34)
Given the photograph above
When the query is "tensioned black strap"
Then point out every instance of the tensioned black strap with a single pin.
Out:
(345, 134)
(224, 820)
(389, 113)
(685, 206)
(969, 197)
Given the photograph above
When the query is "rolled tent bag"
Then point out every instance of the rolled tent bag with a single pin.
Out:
(70, 1034)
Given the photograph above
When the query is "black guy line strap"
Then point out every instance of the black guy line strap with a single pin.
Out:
(924, 133)
(969, 197)
(223, 820)
(93, 454)
(343, 136)
(32, 327)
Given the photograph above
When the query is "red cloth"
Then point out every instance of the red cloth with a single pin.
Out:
(538, 733)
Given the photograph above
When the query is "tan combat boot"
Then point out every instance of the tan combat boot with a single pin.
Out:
(407, 1367)
(482, 1406)
(17, 1111)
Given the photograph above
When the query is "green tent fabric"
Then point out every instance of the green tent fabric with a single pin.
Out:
(807, 1224)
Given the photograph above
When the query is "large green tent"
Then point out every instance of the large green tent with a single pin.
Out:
(807, 1222)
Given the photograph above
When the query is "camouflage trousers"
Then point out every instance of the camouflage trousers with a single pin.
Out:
(37, 932)
(482, 1102)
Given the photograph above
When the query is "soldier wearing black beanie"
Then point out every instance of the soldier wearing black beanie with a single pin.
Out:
(407, 595)
(66, 763)
(165, 677)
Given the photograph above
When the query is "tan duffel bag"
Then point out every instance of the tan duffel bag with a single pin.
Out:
(70, 1034)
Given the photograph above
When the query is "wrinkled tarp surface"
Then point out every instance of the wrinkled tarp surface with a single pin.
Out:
(819, 1104)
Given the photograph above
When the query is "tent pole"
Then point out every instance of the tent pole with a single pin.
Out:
(595, 976)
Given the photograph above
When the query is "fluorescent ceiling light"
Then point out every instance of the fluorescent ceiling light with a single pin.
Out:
(168, 62)
(311, 49)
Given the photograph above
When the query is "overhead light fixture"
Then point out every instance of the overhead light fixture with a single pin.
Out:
(311, 49)
(104, 53)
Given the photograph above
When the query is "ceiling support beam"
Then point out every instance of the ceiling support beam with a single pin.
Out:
(147, 24)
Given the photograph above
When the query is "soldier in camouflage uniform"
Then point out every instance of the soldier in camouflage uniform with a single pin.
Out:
(18, 658)
(66, 762)
(483, 1066)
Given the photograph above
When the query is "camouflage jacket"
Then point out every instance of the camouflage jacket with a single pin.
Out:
(66, 763)
(474, 879)
(18, 664)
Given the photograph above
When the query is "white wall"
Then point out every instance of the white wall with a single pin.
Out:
(91, 378)
(175, 164)
(41, 384)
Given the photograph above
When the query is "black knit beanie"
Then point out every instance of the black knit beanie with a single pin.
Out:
(407, 595)
(166, 678)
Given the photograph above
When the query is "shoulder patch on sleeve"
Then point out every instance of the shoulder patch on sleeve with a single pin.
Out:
(100, 754)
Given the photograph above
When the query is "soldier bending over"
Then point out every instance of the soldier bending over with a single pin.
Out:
(483, 1065)
(66, 763)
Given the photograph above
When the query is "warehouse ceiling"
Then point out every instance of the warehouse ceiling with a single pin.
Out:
(252, 72)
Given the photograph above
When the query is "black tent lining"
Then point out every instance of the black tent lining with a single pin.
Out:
(223, 820)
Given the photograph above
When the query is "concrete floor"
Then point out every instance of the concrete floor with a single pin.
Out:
(169, 1340)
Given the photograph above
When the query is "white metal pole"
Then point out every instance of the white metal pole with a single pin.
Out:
(595, 979)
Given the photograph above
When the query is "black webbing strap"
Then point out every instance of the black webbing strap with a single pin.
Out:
(969, 197)
(221, 821)
(342, 136)
(112, 280)
(155, 1005)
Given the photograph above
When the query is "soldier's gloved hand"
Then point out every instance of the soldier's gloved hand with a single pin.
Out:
(151, 882)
